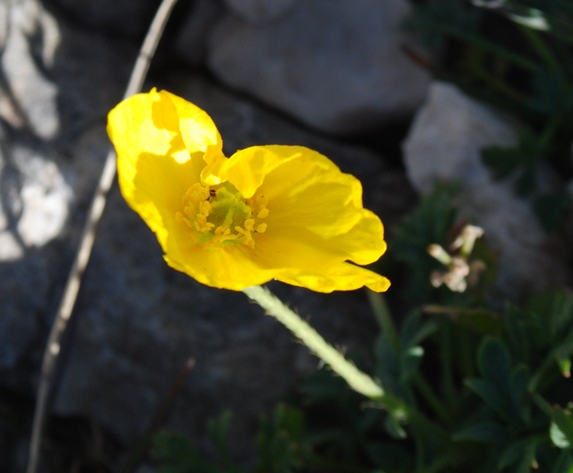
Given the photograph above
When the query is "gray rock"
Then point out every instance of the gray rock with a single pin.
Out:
(335, 65)
(35, 201)
(259, 11)
(444, 144)
(29, 97)
(34, 195)
(191, 39)
(127, 18)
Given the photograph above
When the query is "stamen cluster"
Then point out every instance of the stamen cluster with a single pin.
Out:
(219, 215)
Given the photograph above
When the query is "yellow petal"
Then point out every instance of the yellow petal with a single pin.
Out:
(363, 243)
(200, 135)
(309, 196)
(247, 169)
(197, 130)
(295, 248)
(342, 277)
(229, 267)
(153, 164)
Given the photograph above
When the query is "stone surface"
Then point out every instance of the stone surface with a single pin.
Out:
(259, 11)
(29, 38)
(127, 18)
(36, 199)
(444, 144)
(137, 321)
(332, 64)
(190, 41)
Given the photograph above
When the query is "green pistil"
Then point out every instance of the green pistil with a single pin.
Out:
(228, 208)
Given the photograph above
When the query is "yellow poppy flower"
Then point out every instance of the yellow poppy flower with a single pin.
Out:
(267, 212)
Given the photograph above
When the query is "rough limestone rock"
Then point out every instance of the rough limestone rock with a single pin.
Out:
(333, 64)
(137, 321)
(444, 144)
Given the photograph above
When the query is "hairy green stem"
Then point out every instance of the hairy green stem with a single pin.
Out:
(356, 379)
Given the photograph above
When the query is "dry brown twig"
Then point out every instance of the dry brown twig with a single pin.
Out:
(73, 283)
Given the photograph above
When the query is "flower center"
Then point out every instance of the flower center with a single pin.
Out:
(219, 215)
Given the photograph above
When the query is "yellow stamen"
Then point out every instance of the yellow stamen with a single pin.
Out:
(219, 215)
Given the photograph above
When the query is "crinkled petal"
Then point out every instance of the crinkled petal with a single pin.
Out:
(200, 136)
(342, 277)
(247, 168)
(309, 200)
(153, 163)
(295, 249)
(198, 131)
(230, 267)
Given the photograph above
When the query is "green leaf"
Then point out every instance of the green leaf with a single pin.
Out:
(555, 311)
(516, 333)
(174, 453)
(564, 366)
(411, 360)
(494, 362)
(394, 428)
(491, 396)
(484, 431)
(387, 365)
(561, 429)
(218, 430)
(520, 453)
(564, 463)
(518, 384)
(278, 442)
(390, 457)
(552, 210)
(436, 19)
(415, 331)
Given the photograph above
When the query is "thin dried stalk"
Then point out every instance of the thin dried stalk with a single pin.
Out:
(71, 290)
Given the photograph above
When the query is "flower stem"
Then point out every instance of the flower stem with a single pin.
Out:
(356, 379)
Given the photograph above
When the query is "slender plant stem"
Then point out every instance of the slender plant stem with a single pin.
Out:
(383, 316)
(356, 379)
(447, 363)
(71, 290)
(543, 51)
(431, 398)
